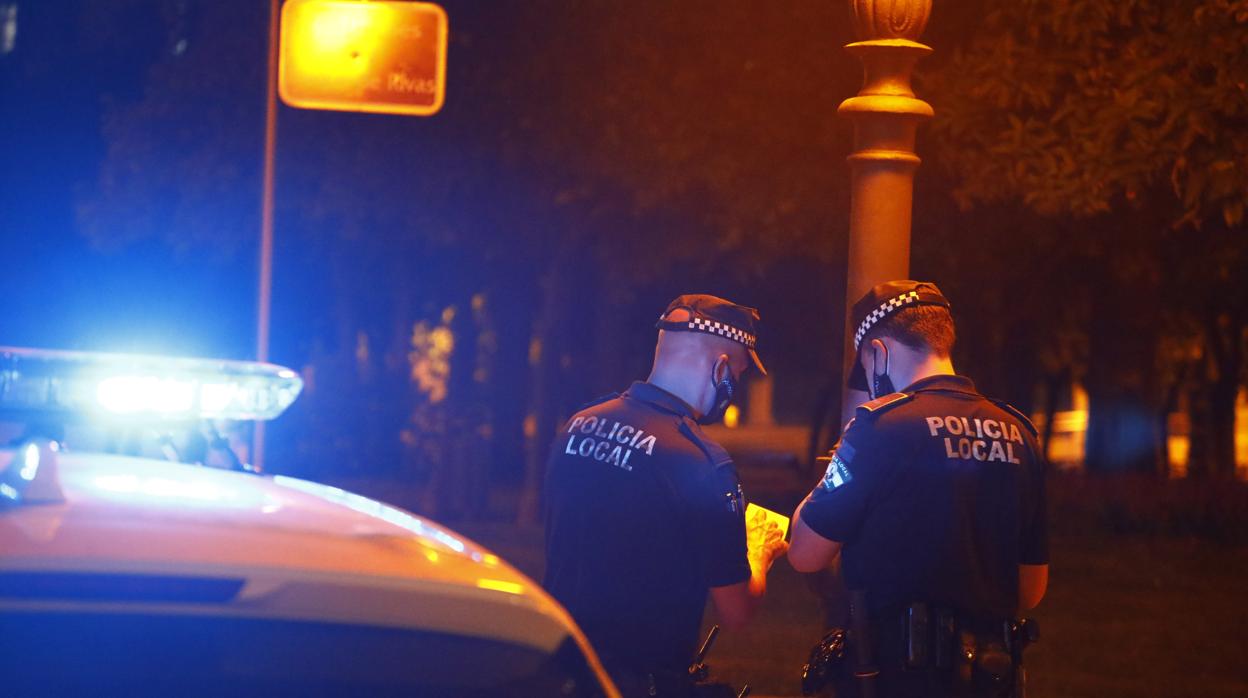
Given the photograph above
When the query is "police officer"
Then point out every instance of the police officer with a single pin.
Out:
(645, 514)
(934, 500)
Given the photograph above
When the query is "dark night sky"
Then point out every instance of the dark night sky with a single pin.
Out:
(64, 291)
(58, 290)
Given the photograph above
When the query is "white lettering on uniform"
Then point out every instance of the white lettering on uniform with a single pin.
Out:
(614, 458)
(600, 450)
(606, 441)
(996, 453)
(990, 426)
(648, 444)
(995, 442)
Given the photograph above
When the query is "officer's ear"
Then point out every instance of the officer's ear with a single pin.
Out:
(721, 369)
(879, 355)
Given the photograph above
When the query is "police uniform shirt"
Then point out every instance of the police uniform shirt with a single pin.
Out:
(937, 495)
(644, 514)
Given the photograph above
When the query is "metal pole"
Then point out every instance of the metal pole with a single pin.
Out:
(264, 291)
(886, 115)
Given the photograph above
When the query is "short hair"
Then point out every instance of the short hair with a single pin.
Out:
(927, 327)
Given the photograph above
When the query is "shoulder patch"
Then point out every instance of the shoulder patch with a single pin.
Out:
(884, 403)
(598, 401)
(838, 473)
(1016, 413)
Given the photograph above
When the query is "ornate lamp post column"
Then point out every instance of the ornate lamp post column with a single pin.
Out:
(886, 115)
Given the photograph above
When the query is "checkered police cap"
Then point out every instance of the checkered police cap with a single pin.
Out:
(885, 309)
(714, 315)
(881, 302)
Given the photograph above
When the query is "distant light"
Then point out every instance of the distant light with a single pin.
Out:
(30, 464)
(8, 28)
(500, 585)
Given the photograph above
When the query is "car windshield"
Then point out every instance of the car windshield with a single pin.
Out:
(116, 654)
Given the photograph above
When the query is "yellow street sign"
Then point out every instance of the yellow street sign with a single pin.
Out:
(384, 56)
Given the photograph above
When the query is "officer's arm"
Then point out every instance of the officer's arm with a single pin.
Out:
(735, 603)
(1033, 580)
(809, 551)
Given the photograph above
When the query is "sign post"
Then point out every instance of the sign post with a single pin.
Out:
(386, 57)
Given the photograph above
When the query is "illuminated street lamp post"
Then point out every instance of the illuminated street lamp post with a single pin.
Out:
(886, 115)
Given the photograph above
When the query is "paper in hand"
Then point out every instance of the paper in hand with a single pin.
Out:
(753, 512)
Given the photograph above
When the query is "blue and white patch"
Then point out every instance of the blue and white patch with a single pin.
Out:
(838, 473)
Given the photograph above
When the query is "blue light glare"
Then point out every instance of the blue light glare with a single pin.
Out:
(130, 394)
(147, 386)
(374, 508)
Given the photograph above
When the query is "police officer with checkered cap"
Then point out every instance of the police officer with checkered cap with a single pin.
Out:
(645, 514)
(934, 503)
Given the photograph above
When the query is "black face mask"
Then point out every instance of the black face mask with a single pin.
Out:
(881, 384)
(725, 391)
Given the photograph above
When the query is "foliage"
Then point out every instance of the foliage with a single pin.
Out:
(183, 165)
(1077, 106)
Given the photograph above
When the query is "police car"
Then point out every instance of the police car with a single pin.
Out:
(130, 575)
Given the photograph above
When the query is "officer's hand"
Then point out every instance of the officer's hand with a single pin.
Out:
(763, 541)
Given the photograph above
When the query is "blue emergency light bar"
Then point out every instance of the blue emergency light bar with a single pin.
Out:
(85, 384)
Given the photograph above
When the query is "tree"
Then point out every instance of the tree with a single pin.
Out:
(589, 152)
(1127, 116)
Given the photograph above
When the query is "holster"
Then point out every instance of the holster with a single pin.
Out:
(973, 656)
(862, 645)
(921, 644)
